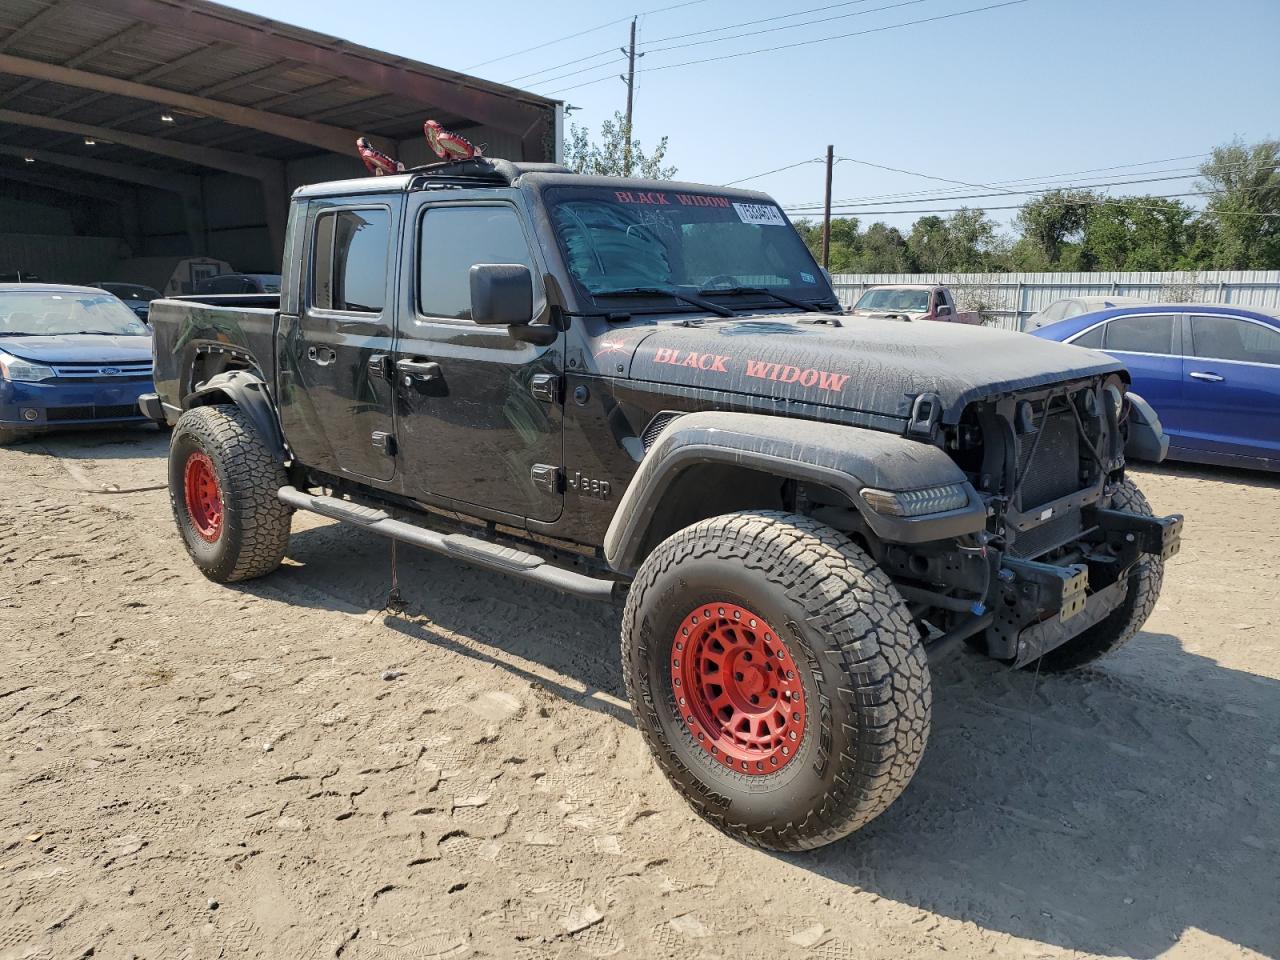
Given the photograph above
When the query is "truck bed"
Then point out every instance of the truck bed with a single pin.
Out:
(194, 337)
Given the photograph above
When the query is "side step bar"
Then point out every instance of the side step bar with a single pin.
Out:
(477, 552)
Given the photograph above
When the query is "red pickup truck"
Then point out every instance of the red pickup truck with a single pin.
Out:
(910, 302)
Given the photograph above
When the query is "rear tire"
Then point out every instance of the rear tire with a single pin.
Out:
(807, 743)
(222, 486)
(1127, 619)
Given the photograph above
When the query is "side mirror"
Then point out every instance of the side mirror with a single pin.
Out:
(943, 311)
(501, 294)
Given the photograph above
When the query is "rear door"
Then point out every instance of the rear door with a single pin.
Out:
(1149, 345)
(479, 413)
(1232, 386)
(334, 354)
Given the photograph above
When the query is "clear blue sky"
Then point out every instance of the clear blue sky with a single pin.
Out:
(1037, 88)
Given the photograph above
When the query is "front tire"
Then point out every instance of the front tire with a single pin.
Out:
(222, 486)
(1119, 626)
(777, 677)
(8, 436)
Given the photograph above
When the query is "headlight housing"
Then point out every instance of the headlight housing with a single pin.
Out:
(15, 368)
(917, 503)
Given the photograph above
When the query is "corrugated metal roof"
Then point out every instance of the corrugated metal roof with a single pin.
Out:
(203, 49)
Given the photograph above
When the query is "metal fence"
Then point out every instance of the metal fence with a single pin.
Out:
(1008, 299)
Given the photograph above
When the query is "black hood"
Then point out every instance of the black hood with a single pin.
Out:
(875, 366)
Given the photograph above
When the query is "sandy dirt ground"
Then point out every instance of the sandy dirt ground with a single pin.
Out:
(189, 770)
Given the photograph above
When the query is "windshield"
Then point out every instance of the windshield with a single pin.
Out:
(617, 240)
(131, 291)
(49, 314)
(903, 301)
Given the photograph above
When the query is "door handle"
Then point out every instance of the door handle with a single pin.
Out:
(321, 355)
(419, 371)
(1208, 377)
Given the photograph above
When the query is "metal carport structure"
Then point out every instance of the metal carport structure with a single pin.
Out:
(180, 126)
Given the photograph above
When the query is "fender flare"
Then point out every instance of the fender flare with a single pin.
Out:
(249, 392)
(847, 459)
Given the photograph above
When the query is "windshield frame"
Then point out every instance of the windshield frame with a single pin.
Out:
(607, 302)
(126, 322)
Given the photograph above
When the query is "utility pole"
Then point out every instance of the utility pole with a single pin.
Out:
(630, 80)
(826, 212)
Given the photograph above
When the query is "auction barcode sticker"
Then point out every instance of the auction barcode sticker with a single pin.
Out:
(763, 213)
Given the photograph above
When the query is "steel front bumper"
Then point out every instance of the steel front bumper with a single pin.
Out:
(1059, 595)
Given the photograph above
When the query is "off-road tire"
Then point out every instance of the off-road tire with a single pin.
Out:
(254, 525)
(1127, 619)
(864, 672)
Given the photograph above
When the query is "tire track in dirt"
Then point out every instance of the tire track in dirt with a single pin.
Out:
(187, 743)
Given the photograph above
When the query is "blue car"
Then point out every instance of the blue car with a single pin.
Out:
(69, 357)
(1210, 371)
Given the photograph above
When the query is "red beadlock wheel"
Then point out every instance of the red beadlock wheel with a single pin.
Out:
(738, 688)
(203, 496)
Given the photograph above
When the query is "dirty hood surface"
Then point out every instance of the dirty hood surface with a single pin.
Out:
(875, 366)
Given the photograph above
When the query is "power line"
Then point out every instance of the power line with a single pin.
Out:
(583, 33)
(1046, 181)
(926, 196)
(564, 63)
(1100, 201)
(695, 33)
(786, 26)
(1003, 193)
(574, 73)
(757, 176)
(806, 43)
(752, 23)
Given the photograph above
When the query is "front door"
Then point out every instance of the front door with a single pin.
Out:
(478, 415)
(335, 391)
(1232, 386)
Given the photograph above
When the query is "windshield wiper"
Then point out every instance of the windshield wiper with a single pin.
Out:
(766, 292)
(715, 308)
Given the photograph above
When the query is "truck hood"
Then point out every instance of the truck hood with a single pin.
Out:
(81, 348)
(874, 366)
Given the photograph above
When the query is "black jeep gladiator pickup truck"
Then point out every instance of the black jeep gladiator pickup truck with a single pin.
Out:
(646, 391)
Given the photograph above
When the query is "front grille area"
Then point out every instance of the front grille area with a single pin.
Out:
(93, 412)
(1054, 471)
(103, 372)
(1054, 532)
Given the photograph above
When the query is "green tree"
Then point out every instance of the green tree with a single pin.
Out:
(882, 249)
(607, 156)
(1141, 233)
(1049, 224)
(1243, 184)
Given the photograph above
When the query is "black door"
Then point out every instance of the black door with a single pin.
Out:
(336, 394)
(478, 418)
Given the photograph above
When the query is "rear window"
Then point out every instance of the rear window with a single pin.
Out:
(1141, 333)
(1227, 338)
(350, 260)
(1091, 338)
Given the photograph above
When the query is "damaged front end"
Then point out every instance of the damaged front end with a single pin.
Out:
(1055, 558)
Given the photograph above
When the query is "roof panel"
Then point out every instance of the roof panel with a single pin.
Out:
(277, 68)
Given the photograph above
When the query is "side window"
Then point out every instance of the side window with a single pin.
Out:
(349, 260)
(1141, 333)
(1226, 338)
(1091, 338)
(451, 241)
